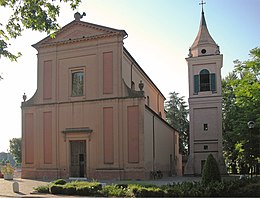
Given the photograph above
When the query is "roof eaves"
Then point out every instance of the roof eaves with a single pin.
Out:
(128, 53)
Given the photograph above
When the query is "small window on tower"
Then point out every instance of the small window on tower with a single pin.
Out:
(205, 127)
(206, 147)
(203, 51)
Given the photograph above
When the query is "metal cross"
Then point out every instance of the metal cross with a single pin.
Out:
(202, 2)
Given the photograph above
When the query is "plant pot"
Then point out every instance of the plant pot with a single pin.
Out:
(8, 176)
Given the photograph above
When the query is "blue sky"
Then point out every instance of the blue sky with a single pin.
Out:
(160, 33)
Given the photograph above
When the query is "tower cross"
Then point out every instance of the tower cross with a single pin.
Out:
(202, 3)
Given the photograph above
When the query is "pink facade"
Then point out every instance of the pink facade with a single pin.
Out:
(88, 117)
(133, 134)
(108, 135)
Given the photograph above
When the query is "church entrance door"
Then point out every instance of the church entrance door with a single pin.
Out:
(78, 158)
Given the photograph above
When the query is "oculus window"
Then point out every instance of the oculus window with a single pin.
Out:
(77, 86)
(205, 81)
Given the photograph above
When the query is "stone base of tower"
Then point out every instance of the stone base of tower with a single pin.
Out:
(195, 162)
(189, 168)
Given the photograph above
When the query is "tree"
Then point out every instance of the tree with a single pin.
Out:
(176, 116)
(210, 172)
(29, 14)
(15, 149)
(241, 103)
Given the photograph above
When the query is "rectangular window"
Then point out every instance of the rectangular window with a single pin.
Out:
(206, 147)
(205, 127)
(77, 83)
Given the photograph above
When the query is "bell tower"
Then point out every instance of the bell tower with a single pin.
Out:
(205, 95)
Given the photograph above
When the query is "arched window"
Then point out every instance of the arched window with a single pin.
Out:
(205, 81)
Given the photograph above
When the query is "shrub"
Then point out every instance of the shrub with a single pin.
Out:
(146, 191)
(42, 189)
(115, 191)
(59, 181)
(7, 169)
(250, 190)
(235, 188)
(56, 189)
(69, 190)
(210, 172)
(84, 190)
(245, 187)
(214, 189)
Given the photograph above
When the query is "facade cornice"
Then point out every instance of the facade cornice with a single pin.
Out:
(84, 38)
(30, 104)
(107, 32)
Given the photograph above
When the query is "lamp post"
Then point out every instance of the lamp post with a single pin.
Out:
(251, 125)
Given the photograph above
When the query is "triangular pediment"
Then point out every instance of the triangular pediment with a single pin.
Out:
(78, 30)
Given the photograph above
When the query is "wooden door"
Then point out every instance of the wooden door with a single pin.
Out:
(77, 158)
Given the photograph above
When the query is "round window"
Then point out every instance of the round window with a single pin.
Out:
(203, 51)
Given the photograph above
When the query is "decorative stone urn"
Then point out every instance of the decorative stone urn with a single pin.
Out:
(8, 176)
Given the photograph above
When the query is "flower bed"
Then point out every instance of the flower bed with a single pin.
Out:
(236, 188)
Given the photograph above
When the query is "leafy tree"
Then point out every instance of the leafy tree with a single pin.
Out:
(176, 115)
(29, 14)
(210, 172)
(241, 103)
(15, 149)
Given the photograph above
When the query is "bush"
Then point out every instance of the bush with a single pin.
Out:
(214, 189)
(56, 189)
(84, 190)
(42, 189)
(235, 188)
(245, 187)
(146, 191)
(69, 190)
(210, 172)
(115, 191)
(249, 190)
(59, 181)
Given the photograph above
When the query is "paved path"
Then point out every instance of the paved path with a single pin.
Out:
(26, 185)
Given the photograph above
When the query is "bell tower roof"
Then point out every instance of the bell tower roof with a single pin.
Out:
(203, 44)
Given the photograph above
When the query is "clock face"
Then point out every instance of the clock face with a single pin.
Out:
(203, 51)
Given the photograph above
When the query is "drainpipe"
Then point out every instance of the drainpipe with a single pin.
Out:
(153, 145)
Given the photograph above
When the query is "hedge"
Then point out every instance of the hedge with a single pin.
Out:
(235, 188)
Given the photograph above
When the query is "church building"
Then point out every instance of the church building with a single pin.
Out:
(205, 96)
(96, 113)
